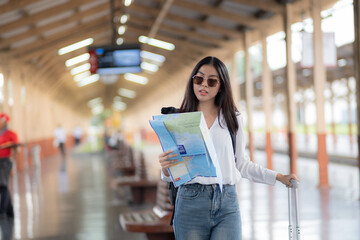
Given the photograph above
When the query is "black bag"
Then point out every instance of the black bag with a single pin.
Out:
(172, 189)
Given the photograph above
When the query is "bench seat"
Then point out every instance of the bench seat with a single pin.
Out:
(154, 222)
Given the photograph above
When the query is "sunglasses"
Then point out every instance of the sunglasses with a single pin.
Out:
(211, 82)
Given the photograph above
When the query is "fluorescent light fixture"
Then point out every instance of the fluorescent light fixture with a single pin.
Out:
(121, 30)
(75, 46)
(94, 102)
(157, 43)
(80, 69)
(149, 67)
(136, 78)
(127, 3)
(97, 110)
(127, 93)
(124, 18)
(119, 41)
(81, 76)
(120, 106)
(88, 80)
(78, 59)
(152, 56)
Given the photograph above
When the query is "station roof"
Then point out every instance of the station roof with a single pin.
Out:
(32, 31)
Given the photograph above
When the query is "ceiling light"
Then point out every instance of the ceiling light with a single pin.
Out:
(94, 102)
(127, 93)
(120, 106)
(79, 69)
(81, 76)
(124, 18)
(75, 46)
(121, 30)
(152, 56)
(97, 110)
(149, 67)
(157, 43)
(88, 80)
(127, 3)
(119, 41)
(78, 59)
(136, 78)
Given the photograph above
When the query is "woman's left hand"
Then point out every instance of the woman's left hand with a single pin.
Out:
(285, 179)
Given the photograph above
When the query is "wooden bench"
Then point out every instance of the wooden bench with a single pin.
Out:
(155, 222)
(142, 188)
(123, 160)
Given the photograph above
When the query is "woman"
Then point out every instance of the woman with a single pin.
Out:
(8, 140)
(202, 211)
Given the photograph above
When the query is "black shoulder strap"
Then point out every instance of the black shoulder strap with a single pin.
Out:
(233, 140)
(169, 110)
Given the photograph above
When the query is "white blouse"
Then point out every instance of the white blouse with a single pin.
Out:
(232, 171)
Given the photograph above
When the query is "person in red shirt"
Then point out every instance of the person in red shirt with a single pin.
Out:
(8, 141)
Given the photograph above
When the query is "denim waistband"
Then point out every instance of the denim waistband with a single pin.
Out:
(202, 187)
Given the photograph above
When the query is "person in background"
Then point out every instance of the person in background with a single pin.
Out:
(60, 139)
(8, 142)
(77, 134)
(202, 211)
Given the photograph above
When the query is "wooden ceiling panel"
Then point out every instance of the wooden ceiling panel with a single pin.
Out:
(197, 28)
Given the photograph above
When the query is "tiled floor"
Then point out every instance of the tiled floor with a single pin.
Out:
(75, 201)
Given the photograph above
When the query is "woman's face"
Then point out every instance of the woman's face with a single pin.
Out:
(202, 90)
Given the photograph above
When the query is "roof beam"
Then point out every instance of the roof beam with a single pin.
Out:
(159, 19)
(271, 6)
(216, 11)
(13, 5)
(31, 19)
(96, 33)
(40, 30)
(186, 33)
(81, 31)
(153, 12)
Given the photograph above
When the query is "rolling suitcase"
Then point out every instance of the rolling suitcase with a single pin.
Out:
(293, 211)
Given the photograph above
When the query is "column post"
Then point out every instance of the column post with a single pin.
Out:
(291, 89)
(267, 92)
(319, 85)
(249, 92)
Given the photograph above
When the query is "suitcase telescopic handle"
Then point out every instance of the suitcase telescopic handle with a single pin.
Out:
(292, 193)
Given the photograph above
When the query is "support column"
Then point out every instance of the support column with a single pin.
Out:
(291, 89)
(235, 86)
(267, 92)
(249, 93)
(333, 125)
(357, 69)
(319, 85)
(349, 113)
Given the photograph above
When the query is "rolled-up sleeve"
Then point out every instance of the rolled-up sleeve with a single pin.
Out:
(248, 169)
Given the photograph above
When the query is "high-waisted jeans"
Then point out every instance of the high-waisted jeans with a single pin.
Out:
(203, 212)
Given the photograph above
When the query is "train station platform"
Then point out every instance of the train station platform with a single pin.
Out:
(74, 200)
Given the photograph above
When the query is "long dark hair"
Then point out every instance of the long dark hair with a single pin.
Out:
(224, 99)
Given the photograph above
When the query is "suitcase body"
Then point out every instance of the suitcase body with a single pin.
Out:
(293, 211)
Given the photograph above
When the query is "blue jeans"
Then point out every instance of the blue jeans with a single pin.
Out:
(203, 212)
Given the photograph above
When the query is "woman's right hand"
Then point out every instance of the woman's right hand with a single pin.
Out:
(165, 163)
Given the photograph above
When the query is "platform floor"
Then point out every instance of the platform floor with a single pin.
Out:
(73, 200)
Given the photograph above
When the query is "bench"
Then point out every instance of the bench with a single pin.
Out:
(155, 222)
(123, 160)
(142, 188)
